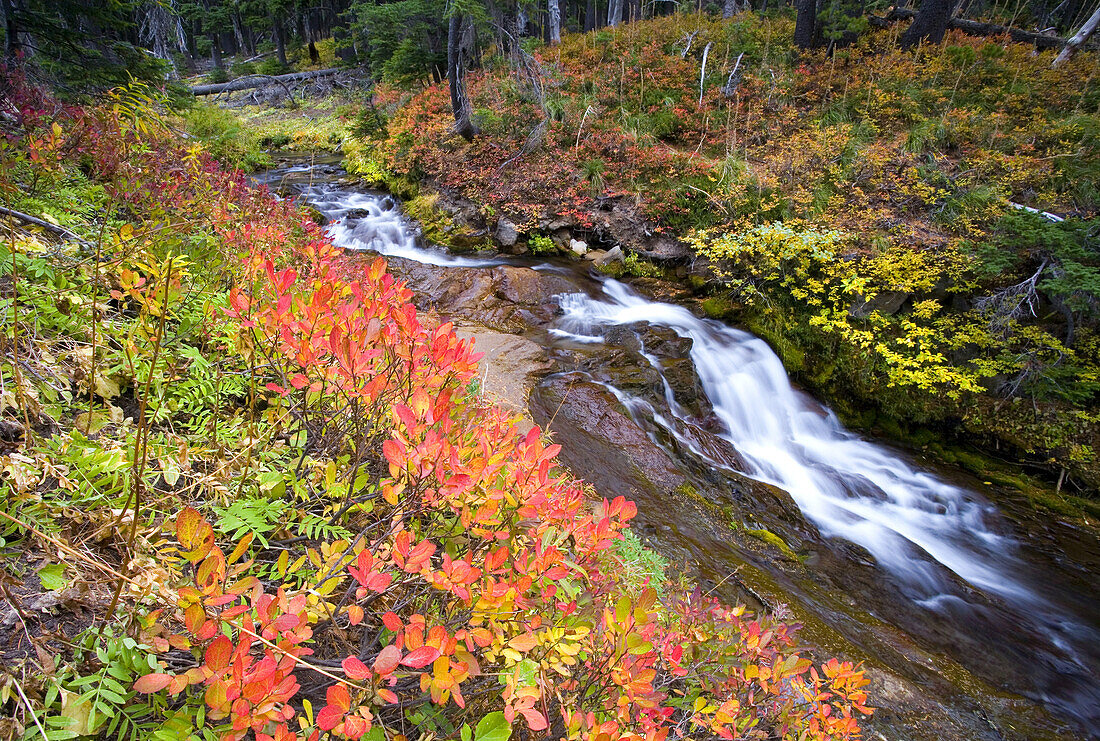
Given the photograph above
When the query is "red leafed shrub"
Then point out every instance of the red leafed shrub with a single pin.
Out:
(482, 571)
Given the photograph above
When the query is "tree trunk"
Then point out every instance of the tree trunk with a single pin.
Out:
(341, 35)
(280, 39)
(11, 28)
(554, 11)
(615, 13)
(1078, 39)
(930, 23)
(591, 22)
(251, 81)
(460, 104)
(730, 8)
(215, 51)
(805, 24)
(238, 33)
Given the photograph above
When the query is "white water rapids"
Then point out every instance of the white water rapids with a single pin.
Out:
(848, 487)
(926, 532)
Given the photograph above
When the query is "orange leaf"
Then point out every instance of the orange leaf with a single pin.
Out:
(338, 697)
(152, 683)
(524, 643)
(355, 614)
(219, 653)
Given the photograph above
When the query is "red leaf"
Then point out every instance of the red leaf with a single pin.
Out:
(355, 669)
(152, 683)
(355, 726)
(391, 621)
(387, 660)
(421, 657)
(535, 719)
(329, 717)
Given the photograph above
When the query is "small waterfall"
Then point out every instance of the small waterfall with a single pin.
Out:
(848, 487)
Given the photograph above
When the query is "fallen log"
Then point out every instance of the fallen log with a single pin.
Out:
(976, 28)
(251, 81)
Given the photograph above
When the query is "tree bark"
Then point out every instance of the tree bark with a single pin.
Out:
(11, 28)
(930, 23)
(1078, 39)
(554, 12)
(730, 8)
(216, 51)
(460, 104)
(615, 13)
(805, 24)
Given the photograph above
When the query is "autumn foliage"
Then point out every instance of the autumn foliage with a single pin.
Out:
(480, 577)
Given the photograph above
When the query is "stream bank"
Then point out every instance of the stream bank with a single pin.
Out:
(627, 397)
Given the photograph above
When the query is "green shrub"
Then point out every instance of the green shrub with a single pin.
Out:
(225, 137)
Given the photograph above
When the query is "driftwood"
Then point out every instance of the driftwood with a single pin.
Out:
(1079, 39)
(976, 28)
(251, 81)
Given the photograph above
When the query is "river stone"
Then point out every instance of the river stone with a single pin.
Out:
(594, 255)
(506, 233)
(561, 237)
(664, 249)
(578, 247)
(614, 255)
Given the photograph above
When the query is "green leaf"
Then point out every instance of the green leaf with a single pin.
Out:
(493, 727)
(466, 733)
(53, 577)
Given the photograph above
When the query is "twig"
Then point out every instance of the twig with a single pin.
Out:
(30, 708)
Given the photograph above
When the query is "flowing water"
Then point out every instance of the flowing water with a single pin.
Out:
(942, 550)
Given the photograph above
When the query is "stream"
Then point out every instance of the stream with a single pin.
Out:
(977, 619)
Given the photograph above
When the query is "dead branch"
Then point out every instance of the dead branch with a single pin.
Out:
(251, 81)
(975, 28)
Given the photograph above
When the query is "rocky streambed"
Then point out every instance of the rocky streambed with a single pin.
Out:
(977, 620)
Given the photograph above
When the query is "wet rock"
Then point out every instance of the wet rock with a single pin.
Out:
(506, 232)
(664, 249)
(594, 255)
(561, 237)
(508, 365)
(887, 302)
(578, 247)
(600, 439)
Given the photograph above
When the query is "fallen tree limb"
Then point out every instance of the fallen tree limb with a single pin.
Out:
(251, 81)
(1079, 39)
(58, 230)
(975, 28)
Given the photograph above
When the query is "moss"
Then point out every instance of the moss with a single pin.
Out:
(717, 307)
(767, 536)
